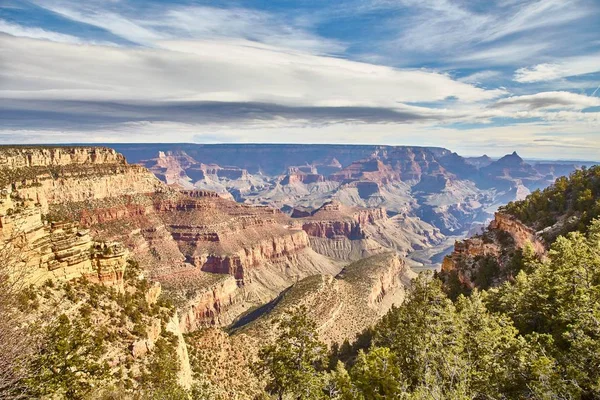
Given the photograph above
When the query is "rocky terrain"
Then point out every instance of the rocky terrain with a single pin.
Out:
(85, 213)
(321, 234)
(350, 233)
(342, 305)
(212, 253)
(486, 259)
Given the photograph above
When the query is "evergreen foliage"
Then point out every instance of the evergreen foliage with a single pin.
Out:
(67, 364)
(293, 363)
(535, 338)
(578, 195)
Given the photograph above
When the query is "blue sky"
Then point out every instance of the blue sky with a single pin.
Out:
(473, 76)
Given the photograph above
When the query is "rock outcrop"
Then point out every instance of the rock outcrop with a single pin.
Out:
(334, 220)
(64, 251)
(351, 233)
(212, 306)
(178, 168)
(504, 235)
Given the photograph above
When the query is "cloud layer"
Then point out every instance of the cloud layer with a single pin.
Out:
(465, 75)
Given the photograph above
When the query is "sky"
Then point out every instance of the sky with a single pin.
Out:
(475, 76)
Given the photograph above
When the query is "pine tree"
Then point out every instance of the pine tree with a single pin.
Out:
(292, 364)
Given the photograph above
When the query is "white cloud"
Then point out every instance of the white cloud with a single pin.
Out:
(36, 33)
(508, 54)
(565, 68)
(111, 21)
(499, 33)
(537, 14)
(480, 76)
(217, 70)
(154, 24)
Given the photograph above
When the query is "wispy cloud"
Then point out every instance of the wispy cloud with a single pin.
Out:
(213, 71)
(568, 67)
(491, 33)
(169, 22)
(36, 33)
(317, 71)
(544, 100)
(480, 76)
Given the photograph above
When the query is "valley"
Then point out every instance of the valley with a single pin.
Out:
(238, 247)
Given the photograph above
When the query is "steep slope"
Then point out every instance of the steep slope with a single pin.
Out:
(32, 179)
(342, 305)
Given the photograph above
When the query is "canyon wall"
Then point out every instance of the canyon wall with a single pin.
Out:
(39, 250)
(342, 305)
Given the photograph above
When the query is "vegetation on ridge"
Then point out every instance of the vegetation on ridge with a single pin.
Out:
(537, 338)
(575, 196)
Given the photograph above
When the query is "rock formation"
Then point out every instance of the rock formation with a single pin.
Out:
(440, 187)
(56, 250)
(221, 256)
(351, 233)
(504, 235)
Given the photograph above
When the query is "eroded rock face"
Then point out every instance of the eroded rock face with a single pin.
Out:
(208, 307)
(82, 182)
(185, 370)
(302, 177)
(350, 233)
(141, 347)
(172, 233)
(521, 233)
(26, 156)
(336, 220)
(464, 260)
(177, 167)
(61, 251)
(254, 255)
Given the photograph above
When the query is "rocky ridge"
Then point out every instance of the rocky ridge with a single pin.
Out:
(342, 305)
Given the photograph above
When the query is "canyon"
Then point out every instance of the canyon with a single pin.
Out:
(237, 236)
(227, 228)
(434, 196)
(216, 257)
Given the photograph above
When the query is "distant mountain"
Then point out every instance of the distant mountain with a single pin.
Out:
(482, 161)
(510, 166)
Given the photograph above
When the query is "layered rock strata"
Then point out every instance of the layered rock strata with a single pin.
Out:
(39, 250)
